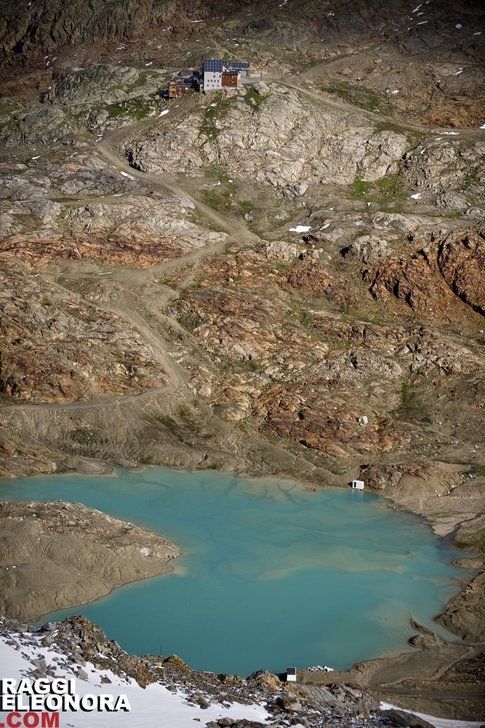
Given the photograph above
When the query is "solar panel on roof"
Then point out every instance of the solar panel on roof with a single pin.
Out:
(216, 65)
(237, 65)
(212, 65)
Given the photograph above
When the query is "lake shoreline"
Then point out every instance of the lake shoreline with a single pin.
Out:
(420, 655)
(70, 555)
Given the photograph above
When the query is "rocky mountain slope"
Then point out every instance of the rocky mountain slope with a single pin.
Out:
(284, 278)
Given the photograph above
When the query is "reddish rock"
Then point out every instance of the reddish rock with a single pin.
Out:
(439, 281)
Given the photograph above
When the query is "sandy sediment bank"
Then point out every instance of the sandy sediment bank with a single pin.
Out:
(55, 555)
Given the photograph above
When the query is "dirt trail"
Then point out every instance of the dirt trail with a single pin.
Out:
(102, 401)
(238, 231)
(376, 117)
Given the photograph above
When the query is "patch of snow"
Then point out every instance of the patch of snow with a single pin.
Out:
(144, 551)
(457, 73)
(422, 22)
(459, 26)
(149, 63)
(300, 229)
(482, 126)
(396, 91)
(150, 706)
(479, 32)
(163, 113)
(418, 8)
(416, 196)
(437, 722)
(450, 133)
(125, 174)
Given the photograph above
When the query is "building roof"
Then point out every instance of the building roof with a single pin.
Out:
(210, 64)
(218, 65)
(235, 65)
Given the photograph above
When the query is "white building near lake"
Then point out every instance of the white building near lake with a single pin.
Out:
(291, 674)
(357, 484)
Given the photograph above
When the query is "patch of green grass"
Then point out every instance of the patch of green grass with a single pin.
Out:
(412, 407)
(366, 98)
(188, 321)
(385, 192)
(246, 206)
(146, 459)
(115, 110)
(359, 189)
(252, 365)
(211, 114)
(137, 108)
(253, 98)
(187, 417)
(182, 420)
(219, 201)
(283, 266)
(390, 126)
(217, 171)
(208, 127)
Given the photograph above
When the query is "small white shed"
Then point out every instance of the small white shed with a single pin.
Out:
(291, 674)
(357, 484)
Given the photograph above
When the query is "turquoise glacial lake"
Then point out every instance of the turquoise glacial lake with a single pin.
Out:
(271, 575)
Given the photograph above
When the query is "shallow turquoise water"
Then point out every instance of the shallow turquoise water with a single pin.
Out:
(271, 575)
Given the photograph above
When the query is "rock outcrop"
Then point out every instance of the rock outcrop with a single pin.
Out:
(265, 143)
(435, 280)
(58, 348)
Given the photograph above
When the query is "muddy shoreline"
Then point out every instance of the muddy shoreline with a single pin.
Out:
(419, 672)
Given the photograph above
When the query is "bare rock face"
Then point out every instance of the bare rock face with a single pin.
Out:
(140, 231)
(55, 554)
(265, 144)
(436, 280)
(452, 171)
(102, 82)
(45, 126)
(309, 276)
(461, 260)
(58, 348)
